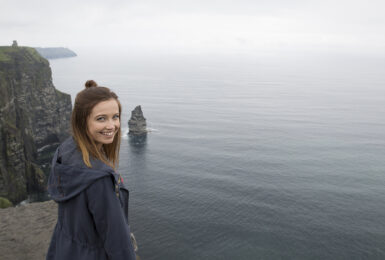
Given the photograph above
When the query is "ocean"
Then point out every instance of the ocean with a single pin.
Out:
(264, 156)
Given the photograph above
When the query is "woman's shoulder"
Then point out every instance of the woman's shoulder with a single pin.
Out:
(69, 153)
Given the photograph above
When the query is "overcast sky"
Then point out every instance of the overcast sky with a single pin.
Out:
(196, 25)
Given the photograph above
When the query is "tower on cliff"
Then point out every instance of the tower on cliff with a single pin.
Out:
(14, 44)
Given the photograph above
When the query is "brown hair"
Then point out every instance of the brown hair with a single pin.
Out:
(85, 101)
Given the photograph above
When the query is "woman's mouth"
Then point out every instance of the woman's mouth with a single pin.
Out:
(110, 133)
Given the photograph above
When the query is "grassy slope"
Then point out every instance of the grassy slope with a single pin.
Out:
(7, 52)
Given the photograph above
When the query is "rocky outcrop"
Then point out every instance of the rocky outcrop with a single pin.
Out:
(25, 231)
(137, 123)
(55, 53)
(34, 119)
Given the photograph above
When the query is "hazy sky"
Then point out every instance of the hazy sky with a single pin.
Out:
(197, 25)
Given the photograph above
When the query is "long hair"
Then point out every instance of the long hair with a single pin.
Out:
(85, 101)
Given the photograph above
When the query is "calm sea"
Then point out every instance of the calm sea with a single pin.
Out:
(249, 157)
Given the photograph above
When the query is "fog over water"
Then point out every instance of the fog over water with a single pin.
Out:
(249, 157)
(183, 26)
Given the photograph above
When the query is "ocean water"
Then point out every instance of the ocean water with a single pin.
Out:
(249, 157)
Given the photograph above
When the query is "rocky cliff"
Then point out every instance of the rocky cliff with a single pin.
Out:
(34, 119)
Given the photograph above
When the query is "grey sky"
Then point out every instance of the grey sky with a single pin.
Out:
(181, 25)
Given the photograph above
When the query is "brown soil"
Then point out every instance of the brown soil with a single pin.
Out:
(25, 231)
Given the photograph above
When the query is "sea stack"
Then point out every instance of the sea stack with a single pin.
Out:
(137, 122)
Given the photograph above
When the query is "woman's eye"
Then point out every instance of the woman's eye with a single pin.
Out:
(116, 116)
(100, 118)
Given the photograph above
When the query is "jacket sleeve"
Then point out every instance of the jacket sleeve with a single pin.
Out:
(109, 219)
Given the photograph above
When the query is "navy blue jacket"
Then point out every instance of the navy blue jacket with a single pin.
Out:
(92, 209)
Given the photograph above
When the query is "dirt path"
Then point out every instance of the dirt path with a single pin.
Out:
(25, 231)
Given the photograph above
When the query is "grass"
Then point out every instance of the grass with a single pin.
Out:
(5, 203)
(6, 53)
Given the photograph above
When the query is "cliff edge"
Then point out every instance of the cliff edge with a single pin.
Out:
(34, 119)
(25, 231)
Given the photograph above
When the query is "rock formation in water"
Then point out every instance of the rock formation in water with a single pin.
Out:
(34, 119)
(137, 122)
(55, 53)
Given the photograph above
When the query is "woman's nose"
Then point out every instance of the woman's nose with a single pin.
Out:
(110, 124)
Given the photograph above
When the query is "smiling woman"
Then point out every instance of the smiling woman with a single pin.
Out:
(93, 202)
(104, 122)
(95, 124)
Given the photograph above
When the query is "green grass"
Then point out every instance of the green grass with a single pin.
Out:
(30, 54)
(4, 53)
(5, 203)
(35, 55)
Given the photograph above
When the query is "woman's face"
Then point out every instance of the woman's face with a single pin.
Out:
(104, 122)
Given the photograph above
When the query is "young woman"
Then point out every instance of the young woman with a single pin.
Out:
(92, 200)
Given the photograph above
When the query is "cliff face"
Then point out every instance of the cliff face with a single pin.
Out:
(34, 119)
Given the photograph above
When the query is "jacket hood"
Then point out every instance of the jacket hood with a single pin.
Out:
(69, 175)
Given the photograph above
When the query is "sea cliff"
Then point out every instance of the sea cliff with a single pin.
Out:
(34, 119)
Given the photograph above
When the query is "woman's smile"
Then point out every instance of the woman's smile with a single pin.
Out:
(104, 122)
(107, 133)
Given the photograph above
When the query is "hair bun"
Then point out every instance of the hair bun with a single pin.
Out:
(90, 84)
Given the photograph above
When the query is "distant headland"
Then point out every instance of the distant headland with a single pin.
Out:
(55, 53)
(51, 52)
